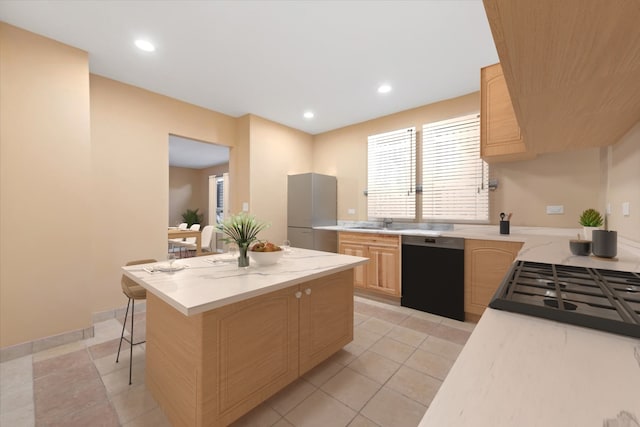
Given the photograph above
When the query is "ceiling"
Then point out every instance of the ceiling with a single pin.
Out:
(187, 153)
(277, 59)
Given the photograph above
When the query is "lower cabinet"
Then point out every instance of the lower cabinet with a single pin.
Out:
(212, 368)
(382, 273)
(485, 264)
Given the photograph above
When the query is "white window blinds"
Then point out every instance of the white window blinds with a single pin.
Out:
(454, 177)
(391, 176)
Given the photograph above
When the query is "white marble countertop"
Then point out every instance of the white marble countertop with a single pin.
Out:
(524, 371)
(541, 244)
(213, 281)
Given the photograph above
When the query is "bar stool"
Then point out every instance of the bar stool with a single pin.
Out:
(133, 292)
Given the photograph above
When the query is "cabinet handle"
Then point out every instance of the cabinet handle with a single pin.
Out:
(298, 294)
(307, 291)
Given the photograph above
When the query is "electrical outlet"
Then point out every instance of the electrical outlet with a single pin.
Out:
(626, 209)
(555, 209)
(351, 211)
(609, 209)
(245, 207)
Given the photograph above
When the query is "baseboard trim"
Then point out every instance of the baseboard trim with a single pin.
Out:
(30, 347)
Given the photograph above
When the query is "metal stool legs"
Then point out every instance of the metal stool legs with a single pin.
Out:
(131, 302)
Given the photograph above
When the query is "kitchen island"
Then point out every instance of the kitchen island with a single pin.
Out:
(222, 339)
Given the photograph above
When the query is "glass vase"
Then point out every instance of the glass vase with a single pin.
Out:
(243, 257)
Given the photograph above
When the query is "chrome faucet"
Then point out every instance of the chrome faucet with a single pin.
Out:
(386, 222)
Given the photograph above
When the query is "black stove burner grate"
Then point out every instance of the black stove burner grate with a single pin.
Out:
(606, 300)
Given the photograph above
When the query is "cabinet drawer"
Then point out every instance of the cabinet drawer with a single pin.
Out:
(369, 239)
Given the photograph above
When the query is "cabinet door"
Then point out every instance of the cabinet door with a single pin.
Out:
(486, 263)
(326, 317)
(500, 137)
(383, 270)
(252, 352)
(359, 272)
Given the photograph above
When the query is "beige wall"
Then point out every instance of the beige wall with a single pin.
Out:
(129, 135)
(276, 151)
(624, 184)
(45, 188)
(186, 191)
(239, 165)
(525, 188)
(100, 196)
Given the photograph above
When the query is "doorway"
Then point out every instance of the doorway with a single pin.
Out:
(193, 165)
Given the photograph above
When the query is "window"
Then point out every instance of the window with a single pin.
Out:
(391, 175)
(219, 197)
(454, 177)
(449, 183)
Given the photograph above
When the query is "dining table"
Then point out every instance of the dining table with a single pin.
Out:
(175, 233)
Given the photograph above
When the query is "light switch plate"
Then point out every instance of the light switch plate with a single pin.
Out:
(555, 209)
(626, 209)
(351, 211)
(609, 209)
(245, 207)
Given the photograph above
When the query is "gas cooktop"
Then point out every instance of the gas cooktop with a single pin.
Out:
(607, 300)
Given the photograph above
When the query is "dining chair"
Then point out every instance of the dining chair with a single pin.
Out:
(172, 242)
(188, 241)
(206, 239)
(133, 292)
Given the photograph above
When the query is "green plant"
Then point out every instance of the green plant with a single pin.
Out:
(241, 229)
(591, 218)
(192, 217)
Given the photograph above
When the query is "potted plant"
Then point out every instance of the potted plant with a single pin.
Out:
(192, 217)
(590, 219)
(242, 229)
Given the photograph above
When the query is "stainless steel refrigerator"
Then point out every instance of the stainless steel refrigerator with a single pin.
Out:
(312, 202)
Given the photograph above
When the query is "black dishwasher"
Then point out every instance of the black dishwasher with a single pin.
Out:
(433, 275)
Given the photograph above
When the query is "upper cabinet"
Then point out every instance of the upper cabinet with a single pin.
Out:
(500, 136)
(572, 68)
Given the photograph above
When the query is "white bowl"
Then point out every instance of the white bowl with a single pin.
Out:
(265, 258)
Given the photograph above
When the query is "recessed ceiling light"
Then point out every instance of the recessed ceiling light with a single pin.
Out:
(308, 115)
(384, 89)
(145, 45)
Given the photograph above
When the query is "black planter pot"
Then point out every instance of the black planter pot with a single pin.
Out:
(605, 243)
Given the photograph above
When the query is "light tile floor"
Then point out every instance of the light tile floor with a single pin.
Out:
(387, 376)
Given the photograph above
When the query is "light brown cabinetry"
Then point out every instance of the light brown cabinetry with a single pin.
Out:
(382, 273)
(210, 369)
(500, 136)
(326, 318)
(572, 68)
(485, 264)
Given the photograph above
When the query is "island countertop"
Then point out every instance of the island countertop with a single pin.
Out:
(213, 281)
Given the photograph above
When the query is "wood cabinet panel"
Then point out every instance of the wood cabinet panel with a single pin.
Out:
(500, 136)
(382, 273)
(359, 273)
(572, 68)
(383, 270)
(326, 318)
(486, 263)
(256, 352)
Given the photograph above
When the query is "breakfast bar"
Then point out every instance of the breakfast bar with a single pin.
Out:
(222, 339)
